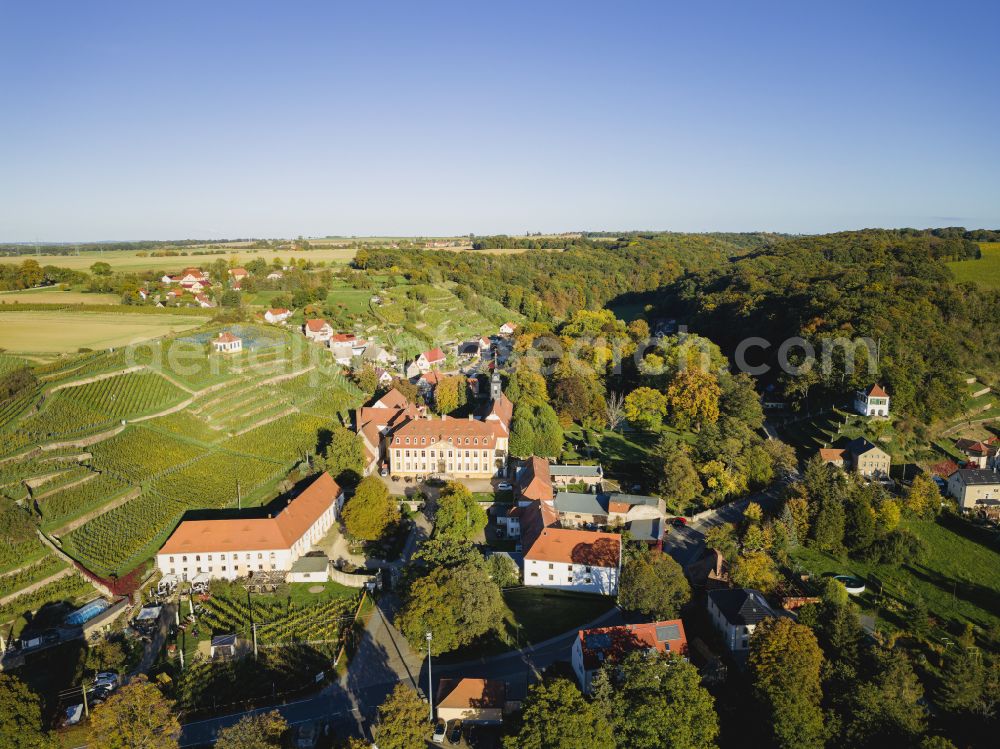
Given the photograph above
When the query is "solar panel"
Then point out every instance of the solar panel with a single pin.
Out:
(597, 641)
(667, 632)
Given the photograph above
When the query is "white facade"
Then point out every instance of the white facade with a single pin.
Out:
(970, 487)
(567, 576)
(871, 405)
(275, 317)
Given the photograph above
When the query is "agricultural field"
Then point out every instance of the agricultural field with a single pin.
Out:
(139, 453)
(214, 480)
(72, 589)
(30, 574)
(64, 331)
(56, 295)
(61, 507)
(985, 271)
(130, 261)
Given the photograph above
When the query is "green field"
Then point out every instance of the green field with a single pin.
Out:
(67, 331)
(56, 295)
(985, 271)
(959, 579)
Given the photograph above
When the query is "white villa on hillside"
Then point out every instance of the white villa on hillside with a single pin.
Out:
(227, 343)
(318, 330)
(229, 549)
(872, 402)
(277, 315)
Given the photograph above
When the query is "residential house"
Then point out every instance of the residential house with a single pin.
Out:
(275, 275)
(345, 346)
(318, 330)
(430, 359)
(709, 572)
(872, 402)
(508, 328)
(427, 383)
(375, 354)
(475, 701)
(233, 548)
(563, 476)
(975, 488)
(227, 343)
(978, 453)
(384, 376)
(860, 456)
(564, 558)
(204, 301)
(277, 315)
(735, 613)
(592, 648)
(188, 277)
(237, 276)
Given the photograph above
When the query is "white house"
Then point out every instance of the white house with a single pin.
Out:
(564, 558)
(236, 275)
(735, 613)
(227, 343)
(974, 486)
(592, 648)
(318, 330)
(429, 359)
(872, 402)
(204, 301)
(277, 315)
(275, 275)
(229, 549)
(346, 346)
(508, 328)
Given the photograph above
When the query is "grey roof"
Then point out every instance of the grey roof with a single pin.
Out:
(220, 641)
(741, 605)
(311, 564)
(978, 476)
(645, 530)
(590, 504)
(634, 499)
(860, 446)
(580, 471)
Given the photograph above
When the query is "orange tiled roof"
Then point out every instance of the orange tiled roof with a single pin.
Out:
(876, 391)
(472, 693)
(628, 638)
(834, 454)
(434, 355)
(252, 534)
(537, 481)
(316, 325)
(227, 337)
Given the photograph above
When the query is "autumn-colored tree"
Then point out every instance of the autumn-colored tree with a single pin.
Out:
(887, 515)
(458, 513)
(674, 474)
(653, 584)
(344, 456)
(754, 570)
(21, 725)
(923, 498)
(137, 716)
(785, 663)
(693, 399)
(720, 481)
(403, 720)
(257, 731)
(556, 716)
(369, 513)
(449, 394)
(645, 407)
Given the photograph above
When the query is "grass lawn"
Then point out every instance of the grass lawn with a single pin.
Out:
(985, 271)
(621, 454)
(300, 595)
(64, 332)
(55, 295)
(960, 560)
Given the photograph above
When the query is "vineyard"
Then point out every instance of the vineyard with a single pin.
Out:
(111, 543)
(211, 481)
(285, 439)
(20, 552)
(29, 574)
(73, 502)
(138, 453)
(72, 589)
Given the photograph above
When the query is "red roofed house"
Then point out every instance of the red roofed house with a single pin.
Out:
(508, 328)
(277, 315)
(376, 422)
(229, 549)
(318, 330)
(565, 558)
(204, 301)
(981, 454)
(592, 648)
(237, 275)
(872, 402)
(429, 359)
(227, 343)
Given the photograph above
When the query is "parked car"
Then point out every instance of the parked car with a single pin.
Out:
(504, 486)
(384, 472)
(455, 732)
(440, 729)
(679, 522)
(106, 679)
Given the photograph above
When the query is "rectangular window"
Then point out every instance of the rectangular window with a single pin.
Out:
(171, 560)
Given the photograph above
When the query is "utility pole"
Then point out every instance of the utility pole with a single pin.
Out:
(430, 682)
(86, 707)
(254, 626)
(239, 496)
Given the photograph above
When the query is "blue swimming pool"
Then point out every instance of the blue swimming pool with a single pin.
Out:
(86, 612)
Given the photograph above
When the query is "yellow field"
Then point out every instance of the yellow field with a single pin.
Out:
(126, 260)
(52, 295)
(64, 332)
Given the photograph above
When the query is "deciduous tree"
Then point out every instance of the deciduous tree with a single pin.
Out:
(137, 716)
(556, 716)
(674, 475)
(458, 513)
(653, 583)
(403, 720)
(344, 456)
(21, 725)
(258, 731)
(645, 407)
(371, 511)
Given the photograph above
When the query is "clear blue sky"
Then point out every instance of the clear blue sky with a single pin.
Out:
(129, 120)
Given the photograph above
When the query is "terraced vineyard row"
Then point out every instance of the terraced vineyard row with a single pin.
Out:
(211, 481)
(110, 542)
(138, 454)
(285, 439)
(276, 622)
(72, 588)
(77, 500)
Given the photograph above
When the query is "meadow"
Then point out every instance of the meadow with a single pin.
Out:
(56, 295)
(985, 271)
(57, 331)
